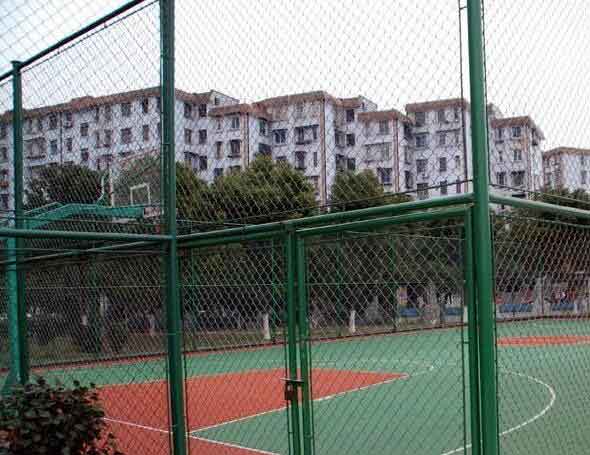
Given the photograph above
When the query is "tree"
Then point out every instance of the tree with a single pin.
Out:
(264, 192)
(352, 191)
(65, 184)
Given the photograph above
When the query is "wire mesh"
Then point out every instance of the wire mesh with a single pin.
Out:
(542, 329)
(100, 319)
(234, 306)
(376, 322)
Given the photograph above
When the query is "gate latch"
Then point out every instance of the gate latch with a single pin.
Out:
(291, 388)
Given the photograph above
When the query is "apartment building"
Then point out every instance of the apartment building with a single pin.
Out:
(424, 151)
(567, 167)
(515, 153)
(437, 160)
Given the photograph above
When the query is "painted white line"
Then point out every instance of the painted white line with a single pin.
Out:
(526, 422)
(211, 441)
(328, 397)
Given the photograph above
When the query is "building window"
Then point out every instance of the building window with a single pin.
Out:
(126, 136)
(280, 136)
(351, 164)
(516, 131)
(216, 101)
(456, 114)
(264, 149)
(501, 178)
(29, 125)
(52, 121)
(281, 159)
(158, 104)
(457, 162)
(299, 135)
(422, 190)
(442, 139)
(421, 166)
(299, 110)
(108, 113)
(3, 131)
(188, 110)
(315, 182)
(188, 159)
(350, 140)
(517, 154)
(349, 115)
(84, 129)
(126, 109)
(108, 138)
(68, 120)
(97, 113)
(583, 160)
(315, 159)
(69, 144)
(384, 175)
(97, 139)
(217, 172)
(300, 160)
(441, 116)
(442, 164)
(202, 163)
(421, 140)
(443, 188)
(235, 122)
(420, 118)
(384, 127)
(145, 133)
(53, 147)
(499, 134)
(188, 136)
(518, 178)
(262, 127)
(339, 138)
(500, 156)
(84, 155)
(202, 136)
(584, 177)
(458, 189)
(409, 178)
(4, 153)
(234, 147)
(219, 124)
(218, 150)
(145, 105)
(202, 110)
(4, 177)
(548, 177)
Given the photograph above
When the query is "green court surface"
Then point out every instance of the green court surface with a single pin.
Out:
(543, 387)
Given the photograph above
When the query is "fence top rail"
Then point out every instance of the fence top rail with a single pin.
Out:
(339, 217)
(68, 39)
(540, 206)
(452, 212)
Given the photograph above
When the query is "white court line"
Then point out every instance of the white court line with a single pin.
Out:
(526, 422)
(328, 397)
(212, 441)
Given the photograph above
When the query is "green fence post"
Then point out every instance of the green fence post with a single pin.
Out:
(291, 265)
(173, 310)
(16, 275)
(482, 237)
(305, 354)
(470, 300)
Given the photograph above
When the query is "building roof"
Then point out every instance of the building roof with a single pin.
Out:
(87, 102)
(390, 114)
(231, 109)
(565, 150)
(523, 120)
(437, 104)
(318, 95)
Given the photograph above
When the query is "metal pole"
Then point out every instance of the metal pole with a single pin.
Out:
(305, 354)
(470, 301)
(17, 310)
(482, 232)
(291, 265)
(173, 311)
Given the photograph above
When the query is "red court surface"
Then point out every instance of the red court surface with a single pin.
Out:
(138, 413)
(554, 340)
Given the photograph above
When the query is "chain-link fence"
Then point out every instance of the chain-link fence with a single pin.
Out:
(309, 228)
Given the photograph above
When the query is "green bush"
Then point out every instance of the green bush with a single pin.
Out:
(41, 419)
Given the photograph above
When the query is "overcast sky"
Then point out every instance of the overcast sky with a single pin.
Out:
(392, 51)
